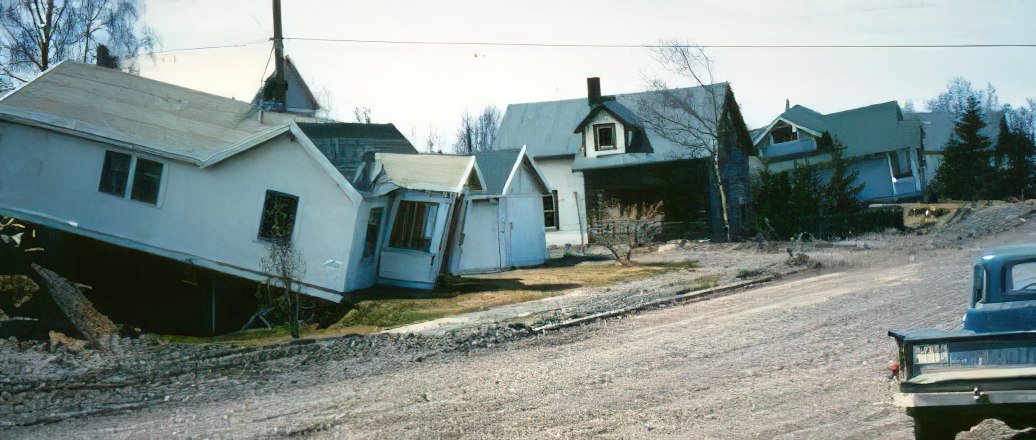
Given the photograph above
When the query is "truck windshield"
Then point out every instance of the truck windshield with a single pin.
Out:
(1023, 278)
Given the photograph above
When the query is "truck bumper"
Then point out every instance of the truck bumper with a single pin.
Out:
(965, 398)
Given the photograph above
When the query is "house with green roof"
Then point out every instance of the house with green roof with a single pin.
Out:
(884, 147)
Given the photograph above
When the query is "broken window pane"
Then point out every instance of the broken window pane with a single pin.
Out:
(783, 133)
(147, 179)
(115, 173)
(370, 242)
(414, 225)
(278, 220)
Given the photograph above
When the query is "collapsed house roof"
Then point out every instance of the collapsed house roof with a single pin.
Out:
(427, 172)
(548, 128)
(498, 167)
(345, 143)
(866, 130)
(141, 114)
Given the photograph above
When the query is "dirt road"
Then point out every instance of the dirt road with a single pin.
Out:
(802, 358)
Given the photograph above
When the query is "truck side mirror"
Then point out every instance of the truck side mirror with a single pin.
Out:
(978, 281)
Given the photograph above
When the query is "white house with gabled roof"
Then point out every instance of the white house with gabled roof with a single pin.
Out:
(210, 182)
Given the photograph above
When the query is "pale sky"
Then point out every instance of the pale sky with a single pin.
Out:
(419, 88)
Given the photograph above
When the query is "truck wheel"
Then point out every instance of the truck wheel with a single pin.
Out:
(938, 425)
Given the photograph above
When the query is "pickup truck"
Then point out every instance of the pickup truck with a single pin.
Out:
(950, 380)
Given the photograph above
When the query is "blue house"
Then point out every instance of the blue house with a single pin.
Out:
(885, 148)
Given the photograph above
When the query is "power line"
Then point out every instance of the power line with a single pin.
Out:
(640, 46)
(190, 49)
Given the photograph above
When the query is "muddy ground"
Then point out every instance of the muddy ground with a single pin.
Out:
(802, 357)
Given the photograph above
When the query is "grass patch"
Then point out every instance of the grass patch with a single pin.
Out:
(705, 282)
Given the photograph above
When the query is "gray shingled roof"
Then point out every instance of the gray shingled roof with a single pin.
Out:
(153, 116)
(546, 128)
(938, 127)
(865, 130)
(345, 143)
(496, 166)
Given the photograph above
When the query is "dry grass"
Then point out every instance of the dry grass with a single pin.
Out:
(386, 307)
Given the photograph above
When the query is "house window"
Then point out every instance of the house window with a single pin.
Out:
(115, 173)
(550, 210)
(414, 225)
(783, 133)
(278, 220)
(629, 137)
(121, 169)
(900, 166)
(146, 179)
(604, 137)
(370, 242)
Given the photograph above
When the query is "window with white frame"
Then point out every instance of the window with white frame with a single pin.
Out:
(550, 210)
(141, 177)
(604, 137)
(414, 225)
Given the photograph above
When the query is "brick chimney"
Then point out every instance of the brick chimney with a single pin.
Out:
(593, 91)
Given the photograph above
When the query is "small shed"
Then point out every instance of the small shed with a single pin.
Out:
(504, 227)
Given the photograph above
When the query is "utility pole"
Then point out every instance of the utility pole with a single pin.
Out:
(277, 91)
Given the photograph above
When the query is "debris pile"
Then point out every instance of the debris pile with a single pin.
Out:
(93, 325)
(993, 429)
(971, 221)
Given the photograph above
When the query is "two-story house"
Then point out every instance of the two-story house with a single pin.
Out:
(886, 149)
(600, 148)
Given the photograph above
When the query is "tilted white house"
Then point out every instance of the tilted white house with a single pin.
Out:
(174, 172)
(209, 182)
(504, 227)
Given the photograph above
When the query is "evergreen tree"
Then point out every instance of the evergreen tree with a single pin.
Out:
(965, 172)
(842, 190)
(805, 197)
(1013, 161)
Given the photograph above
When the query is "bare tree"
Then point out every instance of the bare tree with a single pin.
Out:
(362, 114)
(691, 118)
(433, 141)
(35, 34)
(955, 98)
(621, 229)
(286, 268)
(477, 133)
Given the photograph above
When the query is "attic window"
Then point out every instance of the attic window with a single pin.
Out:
(604, 137)
(278, 219)
(783, 133)
(120, 169)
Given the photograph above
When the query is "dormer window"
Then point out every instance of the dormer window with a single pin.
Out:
(783, 133)
(604, 137)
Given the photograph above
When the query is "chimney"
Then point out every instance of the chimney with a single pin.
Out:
(787, 104)
(105, 58)
(593, 91)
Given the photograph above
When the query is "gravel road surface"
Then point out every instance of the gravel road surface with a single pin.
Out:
(801, 358)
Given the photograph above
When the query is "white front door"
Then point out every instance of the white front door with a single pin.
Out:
(412, 254)
(479, 249)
